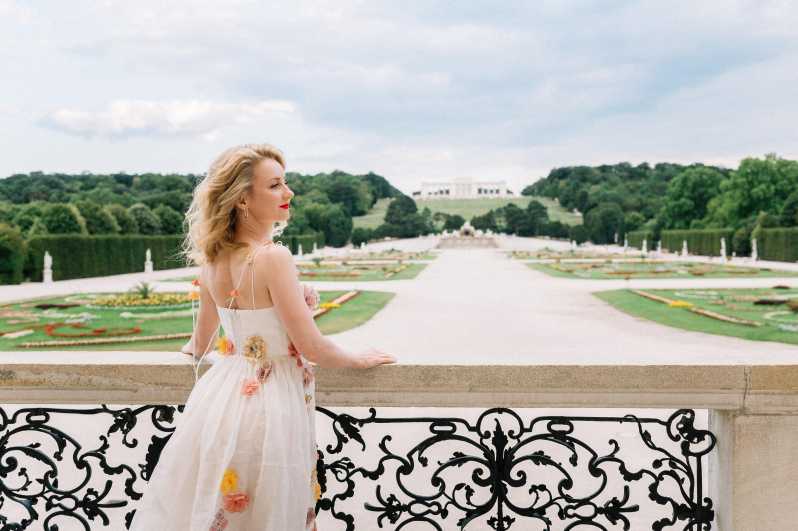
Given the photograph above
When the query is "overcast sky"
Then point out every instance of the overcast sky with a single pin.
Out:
(412, 90)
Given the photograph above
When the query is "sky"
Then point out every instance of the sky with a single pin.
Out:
(412, 90)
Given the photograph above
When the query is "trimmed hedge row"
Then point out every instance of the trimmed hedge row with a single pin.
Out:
(636, 238)
(292, 242)
(778, 244)
(77, 256)
(704, 242)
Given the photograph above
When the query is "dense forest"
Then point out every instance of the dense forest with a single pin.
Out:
(619, 198)
(38, 203)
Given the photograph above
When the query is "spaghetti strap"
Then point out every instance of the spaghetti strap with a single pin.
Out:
(250, 261)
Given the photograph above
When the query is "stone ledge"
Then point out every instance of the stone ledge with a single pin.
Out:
(167, 378)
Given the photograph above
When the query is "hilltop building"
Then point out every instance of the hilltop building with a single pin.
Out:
(463, 188)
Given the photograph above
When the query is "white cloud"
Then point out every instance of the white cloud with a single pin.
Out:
(414, 90)
(124, 118)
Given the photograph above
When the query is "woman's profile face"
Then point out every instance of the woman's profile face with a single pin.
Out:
(269, 191)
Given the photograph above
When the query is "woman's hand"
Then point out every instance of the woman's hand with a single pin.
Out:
(371, 357)
(311, 296)
(188, 348)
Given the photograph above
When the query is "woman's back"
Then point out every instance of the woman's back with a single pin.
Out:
(244, 449)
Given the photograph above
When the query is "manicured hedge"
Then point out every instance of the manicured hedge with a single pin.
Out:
(705, 242)
(79, 256)
(12, 255)
(292, 242)
(778, 244)
(636, 238)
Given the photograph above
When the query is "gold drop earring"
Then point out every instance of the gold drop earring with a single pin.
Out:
(246, 213)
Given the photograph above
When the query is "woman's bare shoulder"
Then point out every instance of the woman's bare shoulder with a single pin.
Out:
(274, 257)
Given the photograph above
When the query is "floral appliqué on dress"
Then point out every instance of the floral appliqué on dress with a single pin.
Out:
(232, 500)
(255, 351)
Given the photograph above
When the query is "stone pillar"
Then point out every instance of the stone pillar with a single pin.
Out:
(754, 471)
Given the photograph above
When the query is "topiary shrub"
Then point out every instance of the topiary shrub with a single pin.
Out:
(13, 251)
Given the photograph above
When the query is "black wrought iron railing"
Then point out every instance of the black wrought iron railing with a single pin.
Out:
(491, 469)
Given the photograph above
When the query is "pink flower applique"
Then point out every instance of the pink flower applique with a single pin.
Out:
(264, 371)
(236, 502)
(307, 375)
(311, 517)
(219, 521)
(250, 387)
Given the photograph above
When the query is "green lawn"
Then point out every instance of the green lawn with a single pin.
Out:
(468, 208)
(351, 314)
(368, 272)
(647, 270)
(375, 217)
(778, 322)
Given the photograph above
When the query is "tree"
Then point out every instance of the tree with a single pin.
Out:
(98, 219)
(400, 208)
(633, 221)
(147, 222)
(688, 196)
(603, 221)
(127, 223)
(361, 235)
(578, 233)
(789, 211)
(453, 222)
(758, 185)
(63, 218)
(171, 221)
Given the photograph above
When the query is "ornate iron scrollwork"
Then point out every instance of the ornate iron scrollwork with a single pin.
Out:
(553, 472)
(35, 453)
(542, 471)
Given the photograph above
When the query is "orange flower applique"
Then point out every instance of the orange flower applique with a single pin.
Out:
(195, 282)
(308, 398)
(250, 387)
(235, 503)
(233, 293)
(264, 371)
(193, 295)
(310, 517)
(225, 346)
(255, 348)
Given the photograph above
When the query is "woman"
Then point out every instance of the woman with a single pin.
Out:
(243, 452)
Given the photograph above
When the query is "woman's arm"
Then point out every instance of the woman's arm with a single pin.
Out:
(207, 326)
(277, 265)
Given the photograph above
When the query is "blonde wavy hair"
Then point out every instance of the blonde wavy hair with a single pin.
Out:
(211, 218)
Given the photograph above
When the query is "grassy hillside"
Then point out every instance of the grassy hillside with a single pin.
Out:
(375, 216)
(468, 208)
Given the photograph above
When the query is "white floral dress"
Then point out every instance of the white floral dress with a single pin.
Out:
(243, 453)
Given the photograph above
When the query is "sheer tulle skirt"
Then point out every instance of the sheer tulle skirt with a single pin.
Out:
(262, 444)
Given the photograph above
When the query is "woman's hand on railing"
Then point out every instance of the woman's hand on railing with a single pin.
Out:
(371, 357)
(311, 296)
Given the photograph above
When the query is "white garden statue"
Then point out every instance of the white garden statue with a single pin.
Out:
(659, 248)
(148, 261)
(299, 250)
(645, 247)
(625, 244)
(47, 273)
(754, 251)
(723, 250)
(684, 248)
